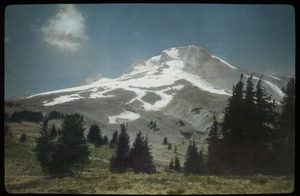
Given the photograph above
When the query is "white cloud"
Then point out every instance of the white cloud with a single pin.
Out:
(66, 29)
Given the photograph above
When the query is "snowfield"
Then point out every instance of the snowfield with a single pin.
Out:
(151, 76)
(126, 116)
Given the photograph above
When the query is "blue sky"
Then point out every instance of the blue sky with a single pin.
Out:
(50, 47)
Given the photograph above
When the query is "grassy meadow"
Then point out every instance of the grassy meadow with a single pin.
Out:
(24, 175)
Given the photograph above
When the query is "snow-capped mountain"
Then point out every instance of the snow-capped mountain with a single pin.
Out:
(183, 84)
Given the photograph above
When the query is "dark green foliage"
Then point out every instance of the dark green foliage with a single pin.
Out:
(105, 140)
(94, 135)
(53, 132)
(286, 124)
(44, 148)
(69, 151)
(55, 115)
(248, 132)
(114, 140)
(27, 116)
(165, 142)
(121, 160)
(177, 166)
(194, 162)
(71, 148)
(214, 154)
(141, 158)
(23, 137)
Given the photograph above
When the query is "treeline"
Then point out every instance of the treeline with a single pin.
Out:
(31, 116)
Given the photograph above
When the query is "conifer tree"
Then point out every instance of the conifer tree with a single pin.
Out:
(105, 140)
(190, 164)
(171, 165)
(233, 130)
(286, 122)
(53, 132)
(141, 158)
(177, 166)
(71, 148)
(114, 141)
(121, 161)
(94, 135)
(165, 142)
(214, 155)
(44, 148)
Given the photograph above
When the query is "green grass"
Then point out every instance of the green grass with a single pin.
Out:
(19, 158)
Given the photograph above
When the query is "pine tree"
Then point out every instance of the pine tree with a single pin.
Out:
(71, 148)
(171, 165)
(141, 158)
(44, 148)
(105, 140)
(165, 142)
(214, 155)
(114, 141)
(177, 166)
(286, 122)
(121, 161)
(94, 135)
(233, 131)
(53, 132)
(190, 164)
(170, 146)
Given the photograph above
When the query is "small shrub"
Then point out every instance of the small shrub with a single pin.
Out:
(23, 138)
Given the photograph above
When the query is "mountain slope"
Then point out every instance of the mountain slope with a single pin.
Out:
(179, 89)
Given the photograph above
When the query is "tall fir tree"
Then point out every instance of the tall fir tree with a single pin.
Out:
(122, 161)
(114, 140)
(44, 148)
(286, 122)
(71, 149)
(94, 135)
(191, 160)
(214, 154)
(177, 166)
(171, 165)
(233, 132)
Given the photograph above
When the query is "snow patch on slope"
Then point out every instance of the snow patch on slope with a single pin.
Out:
(126, 116)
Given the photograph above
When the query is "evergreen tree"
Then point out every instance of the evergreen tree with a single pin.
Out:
(214, 154)
(165, 142)
(234, 137)
(105, 140)
(171, 165)
(114, 141)
(170, 146)
(190, 164)
(71, 148)
(23, 137)
(44, 148)
(94, 135)
(286, 123)
(142, 160)
(122, 161)
(200, 164)
(53, 132)
(177, 166)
